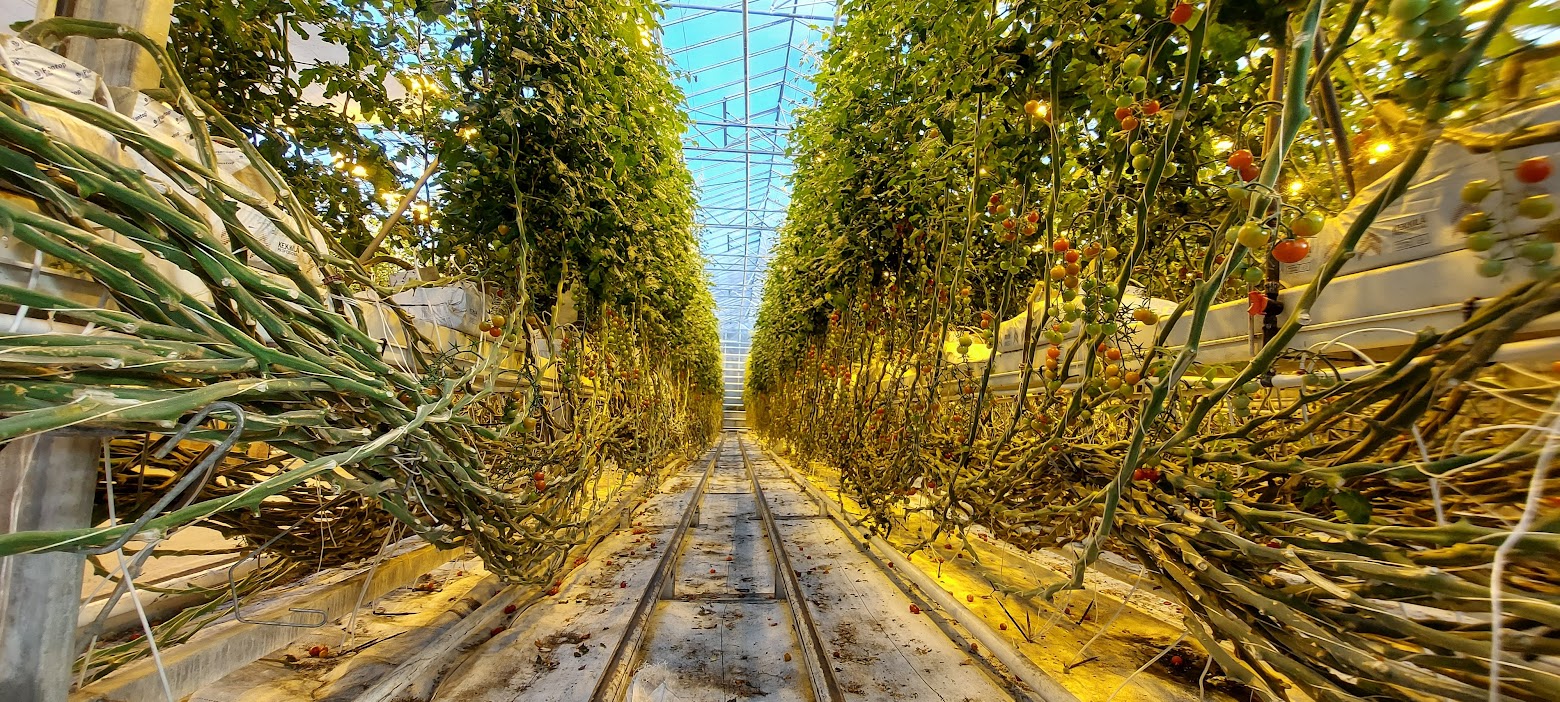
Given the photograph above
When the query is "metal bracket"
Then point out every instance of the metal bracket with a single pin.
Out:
(238, 613)
(200, 474)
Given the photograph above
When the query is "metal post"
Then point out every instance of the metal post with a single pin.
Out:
(45, 483)
(121, 63)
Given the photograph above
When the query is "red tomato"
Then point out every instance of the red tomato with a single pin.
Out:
(1123, 113)
(1249, 172)
(1291, 250)
(1071, 256)
(1061, 245)
(1240, 159)
(1181, 14)
(1151, 107)
(1534, 170)
(1129, 123)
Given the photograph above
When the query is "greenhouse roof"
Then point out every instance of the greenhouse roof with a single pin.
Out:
(744, 68)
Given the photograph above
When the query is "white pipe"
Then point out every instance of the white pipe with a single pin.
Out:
(1046, 689)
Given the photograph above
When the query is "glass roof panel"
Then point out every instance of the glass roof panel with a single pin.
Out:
(743, 68)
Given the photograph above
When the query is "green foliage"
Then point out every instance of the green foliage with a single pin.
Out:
(238, 56)
(571, 153)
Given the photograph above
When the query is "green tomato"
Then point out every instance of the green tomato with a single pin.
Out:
(1109, 328)
(1476, 190)
(1237, 194)
(1170, 168)
(1092, 329)
(1412, 30)
(1252, 236)
(1253, 276)
(1138, 149)
(1138, 84)
(1250, 387)
(1442, 11)
(1542, 271)
(1414, 88)
(1457, 89)
(1476, 221)
(1536, 206)
(1132, 64)
(1123, 101)
(1492, 267)
(1108, 290)
(1538, 251)
(1241, 401)
(1481, 241)
(1142, 162)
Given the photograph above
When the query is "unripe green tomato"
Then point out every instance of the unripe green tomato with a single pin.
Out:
(1092, 329)
(1138, 149)
(1413, 88)
(1492, 267)
(1476, 221)
(1537, 251)
(1550, 231)
(1253, 276)
(1442, 11)
(1252, 236)
(1476, 190)
(1407, 10)
(1170, 169)
(1123, 101)
(1250, 387)
(1481, 241)
(1542, 271)
(1411, 30)
(1536, 206)
(1240, 401)
(1142, 162)
(1138, 84)
(1109, 328)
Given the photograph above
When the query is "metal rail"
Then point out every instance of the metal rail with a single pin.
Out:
(613, 685)
(820, 673)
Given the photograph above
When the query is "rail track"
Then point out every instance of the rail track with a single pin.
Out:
(804, 665)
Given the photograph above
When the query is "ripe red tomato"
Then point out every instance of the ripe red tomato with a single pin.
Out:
(1291, 250)
(1122, 113)
(1249, 172)
(1061, 245)
(1240, 159)
(1534, 170)
(1071, 256)
(1181, 14)
(1033, 217)
(1151, 107)
(1129, 123)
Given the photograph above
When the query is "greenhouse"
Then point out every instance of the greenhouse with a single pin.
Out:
(792, 350)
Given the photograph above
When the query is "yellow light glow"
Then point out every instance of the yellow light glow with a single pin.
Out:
(1296, 186)
(983, 171)
(1481, 7)
(468, 132)
(1381, 148)
(359, 171)
(1223, 145)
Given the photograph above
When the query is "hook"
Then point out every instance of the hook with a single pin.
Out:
(201, 472)
(238, 613)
